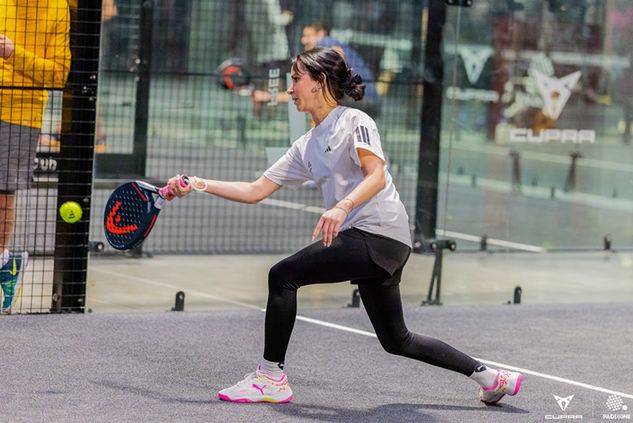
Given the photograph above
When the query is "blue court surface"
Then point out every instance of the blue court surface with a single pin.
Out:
(169, 366)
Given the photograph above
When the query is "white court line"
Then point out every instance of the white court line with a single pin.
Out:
(336, 326)
(370, 334)
(492, 241)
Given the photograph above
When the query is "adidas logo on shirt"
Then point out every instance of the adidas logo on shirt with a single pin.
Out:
(328, 149)
(362, 134)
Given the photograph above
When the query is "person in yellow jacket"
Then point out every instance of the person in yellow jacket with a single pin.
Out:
(34, 58)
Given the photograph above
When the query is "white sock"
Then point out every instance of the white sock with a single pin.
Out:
(273, 369)
(485, 376)
(4, 258)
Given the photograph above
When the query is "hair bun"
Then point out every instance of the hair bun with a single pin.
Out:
(328, 67)
(354, 87)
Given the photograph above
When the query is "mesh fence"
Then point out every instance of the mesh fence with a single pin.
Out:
(168, 98)
(47, 50)
(34, 63)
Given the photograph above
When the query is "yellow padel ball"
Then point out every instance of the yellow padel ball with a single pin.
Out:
(70, 212)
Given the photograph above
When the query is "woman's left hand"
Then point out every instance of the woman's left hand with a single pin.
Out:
(329, 225)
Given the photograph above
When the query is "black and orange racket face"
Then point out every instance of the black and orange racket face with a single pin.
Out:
(129, 215)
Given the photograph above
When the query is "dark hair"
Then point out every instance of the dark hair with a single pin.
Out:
(328, 66)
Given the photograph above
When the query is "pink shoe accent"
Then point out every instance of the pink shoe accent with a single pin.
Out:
(244, 400)
(518, 385)
(290, 398)
(227, 398)
(260, 389)
(495, 386)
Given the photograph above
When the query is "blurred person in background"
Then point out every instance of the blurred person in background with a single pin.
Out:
(317, 34)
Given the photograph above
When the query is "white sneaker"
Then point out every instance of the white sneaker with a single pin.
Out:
(507, 383)
(257, 387)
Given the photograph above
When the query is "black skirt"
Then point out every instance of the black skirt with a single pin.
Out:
(387, 253)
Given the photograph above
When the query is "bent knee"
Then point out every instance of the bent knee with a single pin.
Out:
(394, 348)
(396, 345)
(281, 276)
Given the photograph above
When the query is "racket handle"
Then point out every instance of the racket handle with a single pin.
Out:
(165, 191)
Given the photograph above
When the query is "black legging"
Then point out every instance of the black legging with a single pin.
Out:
(348, 259)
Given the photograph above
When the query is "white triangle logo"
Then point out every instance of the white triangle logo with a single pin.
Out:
(563, 402)
(555, 91)
(474, 59)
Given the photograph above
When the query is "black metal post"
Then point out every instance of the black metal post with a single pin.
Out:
(430, 125)
(438, 247)
(144, 68)
(570, 181)
(483, 243)
(355, 299)
(75, 165)
(517, 295)
(179, 303)
(516, 170)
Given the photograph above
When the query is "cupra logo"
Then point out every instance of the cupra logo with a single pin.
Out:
(563, 403)
(474, 59)
(555, 91)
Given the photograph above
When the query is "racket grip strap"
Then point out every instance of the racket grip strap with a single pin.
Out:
(166, 193)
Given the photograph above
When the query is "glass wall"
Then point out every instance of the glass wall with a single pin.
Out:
(537, 124)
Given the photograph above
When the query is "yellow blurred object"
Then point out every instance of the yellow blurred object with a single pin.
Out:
(382, 86)
(49, 143)
(100, 148)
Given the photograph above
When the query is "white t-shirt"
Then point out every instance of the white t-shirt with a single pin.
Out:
(327, 155)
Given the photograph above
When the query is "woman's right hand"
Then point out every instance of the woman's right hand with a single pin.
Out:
(176, 187)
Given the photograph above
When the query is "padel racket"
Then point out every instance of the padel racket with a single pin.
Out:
(233, 75)
(132, 210)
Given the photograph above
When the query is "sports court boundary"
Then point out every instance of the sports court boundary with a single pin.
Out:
(370, 334)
